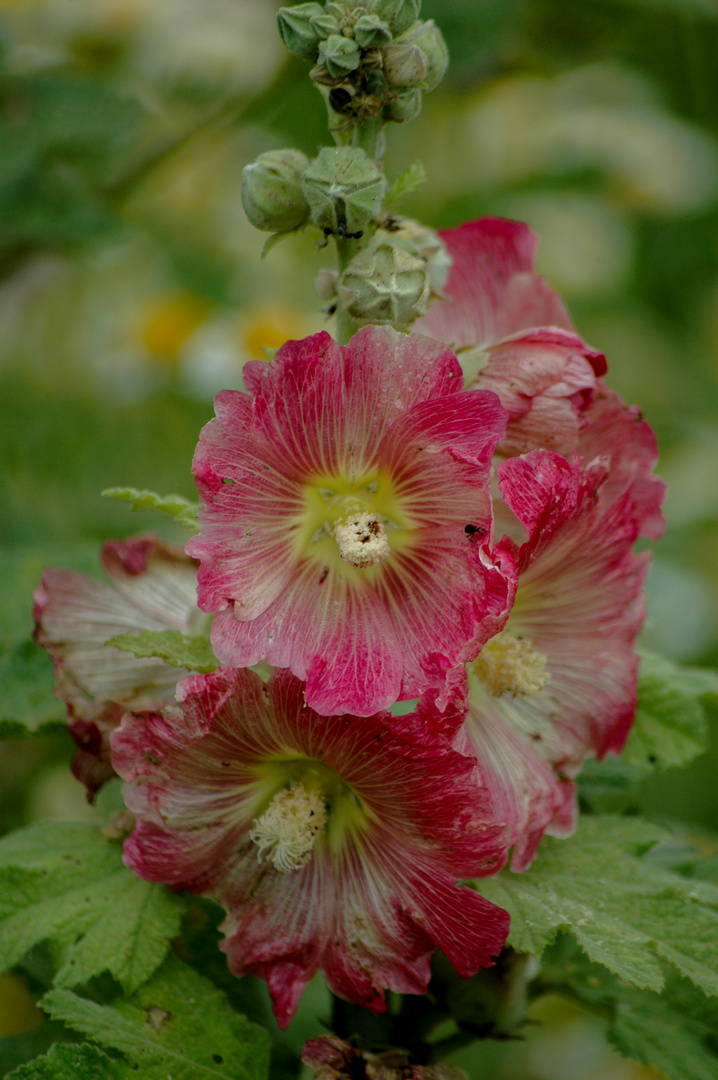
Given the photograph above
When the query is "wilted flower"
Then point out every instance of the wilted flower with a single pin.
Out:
(335, 1059)
(153, 587)
(331, 842)
(335, 505)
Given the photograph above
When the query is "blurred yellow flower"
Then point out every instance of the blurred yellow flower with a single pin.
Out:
(167, 322)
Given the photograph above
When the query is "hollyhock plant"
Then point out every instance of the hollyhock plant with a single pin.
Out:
(151, 587)
(513, 335)
(331, 842)
(335, 500)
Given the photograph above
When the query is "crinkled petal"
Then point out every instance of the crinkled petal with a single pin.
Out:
(153, 587)
(492, 288)
(546, 380)
(617, 435)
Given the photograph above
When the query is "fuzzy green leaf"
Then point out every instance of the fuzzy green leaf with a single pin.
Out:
(670, 726)
(62, 882)
(175, 648)
(69, 1061)
(28, 687)
(406, 183)
(627, 912)
(176, 506)
(178, 1024)
(671, 1031)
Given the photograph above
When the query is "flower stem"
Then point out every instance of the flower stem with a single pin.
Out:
(346, 327)
(367, 136)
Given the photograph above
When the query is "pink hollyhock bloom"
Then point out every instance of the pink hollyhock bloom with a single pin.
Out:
(513, 335)
(152, 587)
(331, 842)
(558, 683)
(335, 500)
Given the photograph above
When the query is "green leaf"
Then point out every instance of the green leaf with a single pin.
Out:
(272, 241)
(28, 688)
(62, 882)
(671, 1031)
(670, 726)
(176, 506)
(175, 648)
(627, 912)
(69, 1061)
(177, 1025)
(405, 183)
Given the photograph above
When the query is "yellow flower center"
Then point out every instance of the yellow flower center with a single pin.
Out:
(354, 522)
(288, 829)
(510, 665)
(301, 804)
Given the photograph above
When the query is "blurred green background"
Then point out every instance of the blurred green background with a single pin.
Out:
(131, 288)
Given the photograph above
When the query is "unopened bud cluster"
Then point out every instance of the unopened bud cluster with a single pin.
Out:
(374, 58)
(342, 191)
(393, 280)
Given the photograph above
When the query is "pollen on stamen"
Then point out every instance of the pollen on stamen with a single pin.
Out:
(507, 664)
(288, 829)
(361, 539)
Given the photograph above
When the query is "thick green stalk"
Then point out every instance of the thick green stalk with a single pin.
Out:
(366, 136)
(346, 327)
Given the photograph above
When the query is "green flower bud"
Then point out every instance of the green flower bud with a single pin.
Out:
(272, 193)
(324, 25)
(339, 55)
(399, 14)
(339, 10)
(371, 32)
(344, 188)
(424, 243)
(296, 30)
(325, 284)
(406, 106)
(430, 40)
(405, 64)
(384, 285)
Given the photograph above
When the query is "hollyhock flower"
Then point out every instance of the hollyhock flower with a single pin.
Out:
(558, 683)
(331, 842)
(335, 501)
(513, 335)
(152, 587)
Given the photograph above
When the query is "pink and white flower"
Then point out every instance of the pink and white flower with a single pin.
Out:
(331, 842)
(558, 683)
(152, 587)
(335, 499)
(513, 335)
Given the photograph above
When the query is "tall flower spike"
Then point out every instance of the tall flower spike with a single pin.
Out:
(152, 587)
(331, 843)
(334, 509)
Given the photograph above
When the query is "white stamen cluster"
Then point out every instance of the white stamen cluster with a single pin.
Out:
(507, 664)
(287, 830)
(361, 539)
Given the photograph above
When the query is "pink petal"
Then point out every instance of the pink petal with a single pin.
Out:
(492, 287)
